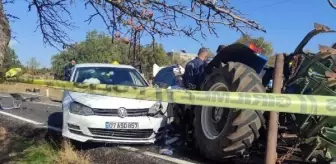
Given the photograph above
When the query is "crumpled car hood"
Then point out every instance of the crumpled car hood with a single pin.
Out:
(107, 102)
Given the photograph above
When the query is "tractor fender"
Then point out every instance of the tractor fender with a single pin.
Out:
(236, 52)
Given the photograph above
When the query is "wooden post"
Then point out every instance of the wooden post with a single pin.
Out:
(272, 135)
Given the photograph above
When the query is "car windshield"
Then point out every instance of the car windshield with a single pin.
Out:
(109, 75)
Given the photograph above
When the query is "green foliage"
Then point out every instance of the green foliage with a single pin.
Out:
(271, 61)
(38, 153)
(260, 42)
(42, 71)
(11, 59)
(150, 55)
(99, 48)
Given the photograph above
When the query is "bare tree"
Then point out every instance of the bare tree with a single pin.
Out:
(129, 18)
(154, 17)
(158, 18)
(33, 64)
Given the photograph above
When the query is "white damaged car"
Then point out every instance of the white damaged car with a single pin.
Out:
(95, 118)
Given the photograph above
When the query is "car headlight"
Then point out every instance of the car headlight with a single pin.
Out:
(156, 108)
(80, 109)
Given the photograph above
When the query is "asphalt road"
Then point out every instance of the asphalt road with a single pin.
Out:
(49, 114)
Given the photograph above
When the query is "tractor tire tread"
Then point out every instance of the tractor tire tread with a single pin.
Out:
(244, 125)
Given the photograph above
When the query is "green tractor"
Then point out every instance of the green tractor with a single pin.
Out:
(312, 74)
(220, 134)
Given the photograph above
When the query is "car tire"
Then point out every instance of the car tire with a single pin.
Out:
(236, 129)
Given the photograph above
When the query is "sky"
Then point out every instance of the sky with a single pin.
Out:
(286, 23)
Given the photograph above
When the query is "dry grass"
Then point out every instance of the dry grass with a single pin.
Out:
(3, 133)
(67, 155)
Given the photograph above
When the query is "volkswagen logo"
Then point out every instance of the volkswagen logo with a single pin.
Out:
(122, 112)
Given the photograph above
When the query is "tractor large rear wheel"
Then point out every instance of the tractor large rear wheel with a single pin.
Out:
(221, 132)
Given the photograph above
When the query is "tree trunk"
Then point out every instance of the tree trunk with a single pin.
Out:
(5, 35)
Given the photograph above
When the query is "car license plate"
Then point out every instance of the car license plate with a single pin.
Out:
(122, 125)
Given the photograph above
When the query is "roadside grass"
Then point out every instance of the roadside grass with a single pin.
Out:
(38, 153)
(22, 150)
(67, 155)
(46, 153)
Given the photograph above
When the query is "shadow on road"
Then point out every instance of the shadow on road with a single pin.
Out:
(54, 134)
(56, 120)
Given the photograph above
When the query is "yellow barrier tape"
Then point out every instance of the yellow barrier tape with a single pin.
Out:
(289, 103)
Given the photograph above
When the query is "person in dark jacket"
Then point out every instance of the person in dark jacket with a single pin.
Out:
(192, 76)
(68, 69)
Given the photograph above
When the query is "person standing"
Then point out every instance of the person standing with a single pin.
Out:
(68, 69)
(192, 76)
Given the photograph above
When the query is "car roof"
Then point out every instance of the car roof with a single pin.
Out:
(168, 69)
(103, 65)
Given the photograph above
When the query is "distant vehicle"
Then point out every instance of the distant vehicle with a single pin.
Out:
(170, 76)
(89, 117)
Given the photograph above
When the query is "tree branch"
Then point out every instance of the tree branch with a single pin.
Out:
(332, 4)
(222, 15)
(155, 17)
(51, 21)
(5, 2)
